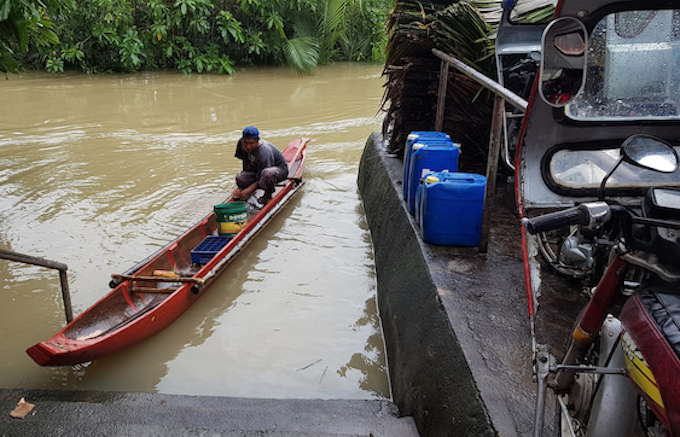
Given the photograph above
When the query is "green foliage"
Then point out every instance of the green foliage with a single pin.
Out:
(199, 35)
(24, 22)
(230, 28)
(130, 51)
(302, 54)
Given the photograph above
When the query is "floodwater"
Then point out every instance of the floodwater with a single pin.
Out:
(100, 171)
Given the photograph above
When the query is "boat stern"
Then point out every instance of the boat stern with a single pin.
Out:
(52, 354)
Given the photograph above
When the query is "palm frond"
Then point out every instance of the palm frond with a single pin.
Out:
(302, 54)
(331, 28)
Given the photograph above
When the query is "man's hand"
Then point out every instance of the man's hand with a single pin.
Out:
(244, 193)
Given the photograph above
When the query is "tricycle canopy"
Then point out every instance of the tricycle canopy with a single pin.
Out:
(631, 86)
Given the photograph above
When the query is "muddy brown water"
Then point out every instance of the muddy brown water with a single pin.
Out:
(100, 171)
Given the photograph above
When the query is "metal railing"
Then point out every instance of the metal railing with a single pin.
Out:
(502, 95)
(27, 259)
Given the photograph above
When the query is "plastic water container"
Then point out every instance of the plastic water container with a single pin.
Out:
(414, 137)
(425, 159)
(452, 205)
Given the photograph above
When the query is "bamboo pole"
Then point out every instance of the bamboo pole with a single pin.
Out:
(27, 259)
(491, 170)
(486, 82)
(441, 95)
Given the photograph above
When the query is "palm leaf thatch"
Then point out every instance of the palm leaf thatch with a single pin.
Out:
(412, 76)
(466, 30)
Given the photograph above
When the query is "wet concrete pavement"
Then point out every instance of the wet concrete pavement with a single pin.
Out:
(83, 413)
(456, 322)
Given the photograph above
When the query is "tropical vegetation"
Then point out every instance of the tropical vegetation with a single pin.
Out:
(24, 22)
(189, 35)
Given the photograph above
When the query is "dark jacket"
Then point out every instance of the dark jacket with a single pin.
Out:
(265, 156)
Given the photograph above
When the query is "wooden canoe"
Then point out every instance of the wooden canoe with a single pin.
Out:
(143, 302)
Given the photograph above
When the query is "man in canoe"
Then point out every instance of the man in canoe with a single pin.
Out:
(263, 166)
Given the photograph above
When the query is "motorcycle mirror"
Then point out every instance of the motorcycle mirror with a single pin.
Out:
(563, 61)
(647, 152)
(651, 153)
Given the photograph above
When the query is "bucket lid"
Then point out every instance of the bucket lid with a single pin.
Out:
(236, 204)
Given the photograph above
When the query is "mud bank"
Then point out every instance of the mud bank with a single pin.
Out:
(455, 321)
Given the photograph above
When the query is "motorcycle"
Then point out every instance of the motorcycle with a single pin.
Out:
(631, 325)
(598, 192)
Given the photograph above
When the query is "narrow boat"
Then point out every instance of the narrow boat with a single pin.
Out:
(154, 293)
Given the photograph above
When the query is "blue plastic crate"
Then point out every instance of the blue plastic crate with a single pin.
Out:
(208, 248)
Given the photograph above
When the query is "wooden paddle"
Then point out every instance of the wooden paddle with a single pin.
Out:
(297, 155)
(178, 278)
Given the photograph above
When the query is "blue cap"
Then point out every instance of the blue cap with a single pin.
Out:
(251, 132)
(509, 4)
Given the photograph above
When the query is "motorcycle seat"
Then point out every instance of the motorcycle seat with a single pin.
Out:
(662, 302)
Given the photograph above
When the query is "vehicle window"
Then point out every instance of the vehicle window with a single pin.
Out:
(633, 69)
(587, 168)
(533, 11)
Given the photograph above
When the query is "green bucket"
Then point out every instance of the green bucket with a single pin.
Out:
(231, 217)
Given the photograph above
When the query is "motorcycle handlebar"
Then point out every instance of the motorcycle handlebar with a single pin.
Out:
(587, 214)
(555, 220)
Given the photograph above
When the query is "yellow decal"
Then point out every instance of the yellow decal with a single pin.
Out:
(638, 370)
(231, 227)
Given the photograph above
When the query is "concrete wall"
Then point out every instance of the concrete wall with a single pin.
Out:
(430, 376)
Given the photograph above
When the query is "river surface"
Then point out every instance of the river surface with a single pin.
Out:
(100, 171)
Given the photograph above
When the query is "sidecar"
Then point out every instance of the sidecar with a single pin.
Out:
(518, 52)
(608, 71)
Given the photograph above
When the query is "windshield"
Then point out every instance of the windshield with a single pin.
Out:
(633, 69)
(586, 169)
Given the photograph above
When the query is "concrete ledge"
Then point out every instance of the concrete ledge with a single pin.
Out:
(82, 413)
(455, 322)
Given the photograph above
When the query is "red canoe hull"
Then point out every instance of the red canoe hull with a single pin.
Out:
(126, 316)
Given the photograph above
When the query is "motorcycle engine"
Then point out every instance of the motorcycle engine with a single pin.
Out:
(574, 252)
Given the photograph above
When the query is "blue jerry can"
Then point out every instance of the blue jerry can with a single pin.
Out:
(427, 158)
(452, 205)
(414, 137)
